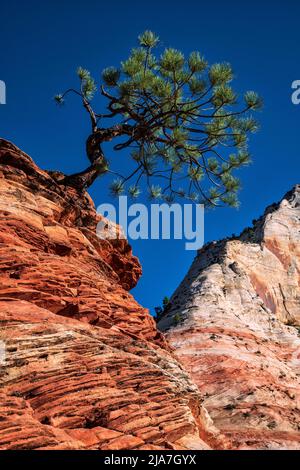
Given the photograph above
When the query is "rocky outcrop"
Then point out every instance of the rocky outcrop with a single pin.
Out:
(85, 366)
(234, 323)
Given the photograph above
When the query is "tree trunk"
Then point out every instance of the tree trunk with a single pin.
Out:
(85, 178)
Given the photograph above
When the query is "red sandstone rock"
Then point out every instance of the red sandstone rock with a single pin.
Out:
(85, 365)
(238, 334)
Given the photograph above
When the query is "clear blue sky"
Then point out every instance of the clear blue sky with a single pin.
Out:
(42, 43)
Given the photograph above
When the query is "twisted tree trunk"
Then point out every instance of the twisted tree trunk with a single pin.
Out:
(99, 164)
(85, 178)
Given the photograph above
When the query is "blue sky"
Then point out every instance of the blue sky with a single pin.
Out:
(42, 43)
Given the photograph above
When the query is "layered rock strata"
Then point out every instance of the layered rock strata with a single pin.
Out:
(85, 365)
(234, 324)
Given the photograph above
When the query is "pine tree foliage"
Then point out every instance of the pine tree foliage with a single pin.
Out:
(182, 121)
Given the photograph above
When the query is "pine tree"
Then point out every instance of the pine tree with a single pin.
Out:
(179, 117)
